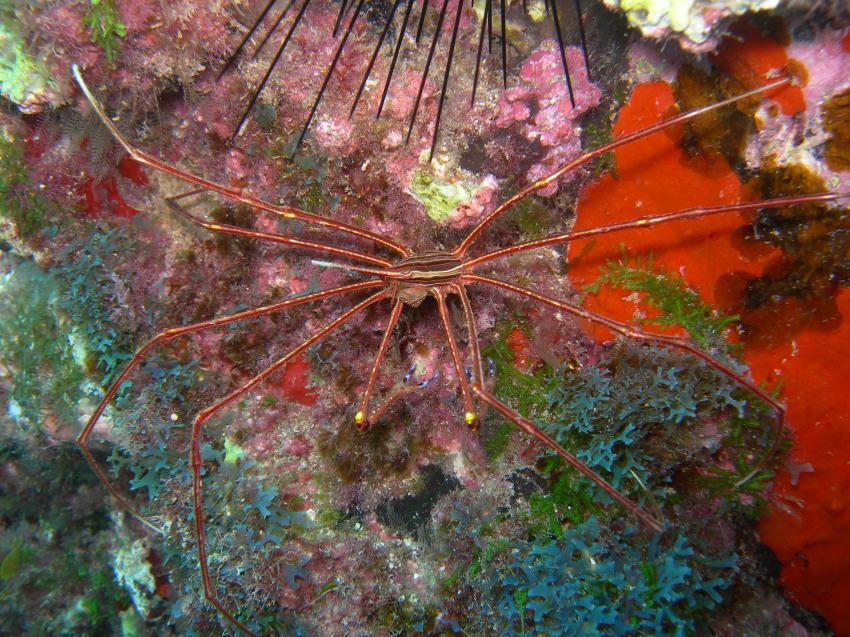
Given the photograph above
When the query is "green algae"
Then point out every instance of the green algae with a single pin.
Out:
(496, 443)
(24, 79)
(11, 564)
(233, 453)
(440, 198)
(19, 201)
(678, 304)
(102, 21)
(531, 217)
(35, 344)
(131, 623)
(526, 392)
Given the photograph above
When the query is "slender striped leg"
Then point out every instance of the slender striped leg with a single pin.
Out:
(362, 418)
(207, 413)
(655, 220)
(673, 341)
(475, 350)
(478, 376)
(396, 394)
(597, 152)
(531, 429)
(474, 345)
(168, 335)
(469, 415)
(285, 212)
(223, 228)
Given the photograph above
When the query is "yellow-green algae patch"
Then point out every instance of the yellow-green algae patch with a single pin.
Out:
(233, 453)
(24, 79)
(442, 198)
(691, 18)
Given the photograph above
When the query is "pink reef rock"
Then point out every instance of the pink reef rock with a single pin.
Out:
(541, 106)
(137, 15)
(483, 202)
(398, 109)
(334, 134)
(236, 165)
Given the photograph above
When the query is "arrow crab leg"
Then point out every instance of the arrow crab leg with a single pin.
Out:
(285, 212)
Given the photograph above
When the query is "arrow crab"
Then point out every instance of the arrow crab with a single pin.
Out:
(397, 277)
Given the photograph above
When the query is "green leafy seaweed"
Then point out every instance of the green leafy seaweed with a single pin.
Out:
(102, 21)
(678, 304)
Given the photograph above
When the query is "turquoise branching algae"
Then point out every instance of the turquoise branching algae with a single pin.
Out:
(632, 419)
(589, 583)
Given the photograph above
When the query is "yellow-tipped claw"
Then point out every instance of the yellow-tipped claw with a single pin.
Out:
(359, 418)
(470, 418)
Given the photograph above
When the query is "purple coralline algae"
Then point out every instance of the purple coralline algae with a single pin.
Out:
(541, 106)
